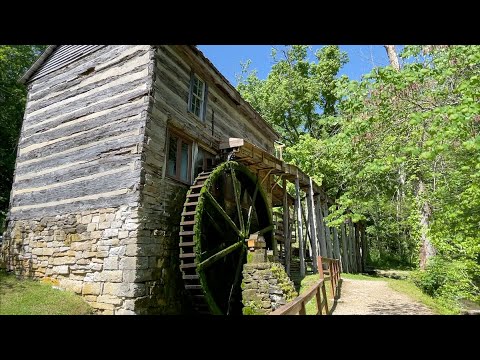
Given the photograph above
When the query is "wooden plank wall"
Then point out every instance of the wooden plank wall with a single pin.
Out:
(82, 132)
(171, 95)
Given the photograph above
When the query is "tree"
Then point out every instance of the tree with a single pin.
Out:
(14, 61)
(298, 96)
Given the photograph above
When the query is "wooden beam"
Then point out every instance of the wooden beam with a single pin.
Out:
(336, 245)
(286, 227)
(313, 227)
(357, 247)
(299, 227)
(363, 237)
(320, 228)
(345, 265)
(231, 143)
(351, 239)
(327, 233)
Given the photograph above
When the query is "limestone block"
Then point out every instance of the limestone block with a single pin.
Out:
(109, 299)
(92, 227)
(104, 225)
(109, 233)
(60, 270)
(124, 312)
(110, 263)
(91, 288)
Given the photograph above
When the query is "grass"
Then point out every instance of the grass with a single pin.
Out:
(404, 286)
(29, 297)
(307, 282)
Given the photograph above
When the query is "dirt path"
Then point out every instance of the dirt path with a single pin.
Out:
(368, 297)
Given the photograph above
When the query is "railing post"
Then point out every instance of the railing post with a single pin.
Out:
(320, 267)
(332, 281)
(319, 301)
(303, 311)
(324, 292)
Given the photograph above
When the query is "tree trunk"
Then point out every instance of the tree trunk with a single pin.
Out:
(426, 249)
(392, 56)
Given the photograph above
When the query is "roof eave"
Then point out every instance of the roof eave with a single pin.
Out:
(36, 65)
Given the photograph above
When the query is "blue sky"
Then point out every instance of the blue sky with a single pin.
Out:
(227, 58)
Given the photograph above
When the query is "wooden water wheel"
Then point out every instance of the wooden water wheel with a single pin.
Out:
(223, 207)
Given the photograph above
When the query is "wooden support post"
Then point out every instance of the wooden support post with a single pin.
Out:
(345, 267)
(357, 247)
(327, 233)
(313, 227)
(353, 261)
(320, 228)
(299, 227)
(286, 227)
(364, 247)
(336, 245)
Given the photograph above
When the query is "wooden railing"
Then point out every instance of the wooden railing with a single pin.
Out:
(298, 305)
(333, 266)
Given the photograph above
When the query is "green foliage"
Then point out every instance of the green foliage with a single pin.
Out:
(448, 281)
(399, 149)
(14, 61)
(298, 96)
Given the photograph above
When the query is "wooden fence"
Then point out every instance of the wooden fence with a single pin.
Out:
(298, 305)
(333, 267)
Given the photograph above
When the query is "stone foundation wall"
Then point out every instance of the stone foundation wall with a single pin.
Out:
(94, 253)
(265, 287)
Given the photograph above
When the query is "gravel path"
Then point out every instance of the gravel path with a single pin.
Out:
(367, 297)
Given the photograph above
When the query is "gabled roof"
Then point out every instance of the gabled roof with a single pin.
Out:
(74, 52)
(63, 56)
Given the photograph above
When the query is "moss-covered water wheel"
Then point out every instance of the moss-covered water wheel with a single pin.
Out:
(222, 209)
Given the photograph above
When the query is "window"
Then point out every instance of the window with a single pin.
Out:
(203, 162)
(197, 98)
(179, 158)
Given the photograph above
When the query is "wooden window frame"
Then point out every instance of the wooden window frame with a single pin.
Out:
(201, 148)
(180, 140)
(191, 95)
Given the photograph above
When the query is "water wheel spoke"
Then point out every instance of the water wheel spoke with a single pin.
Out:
(264, 230)
(214, 239)
(250, 210)
(237, 277)
(214, 223)
(222, 212)
(237, 199)
(220, 255)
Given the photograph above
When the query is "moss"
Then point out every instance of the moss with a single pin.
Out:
(284, 282)
(209, 182)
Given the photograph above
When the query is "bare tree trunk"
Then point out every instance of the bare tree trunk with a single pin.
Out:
(426, 250)
(392, 56)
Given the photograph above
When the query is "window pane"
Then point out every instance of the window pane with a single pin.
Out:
(196, 96)
(172, 156)
(184, 163)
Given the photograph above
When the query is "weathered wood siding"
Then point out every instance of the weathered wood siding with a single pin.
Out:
(172, 84)
(162, 198)
(81, 139)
